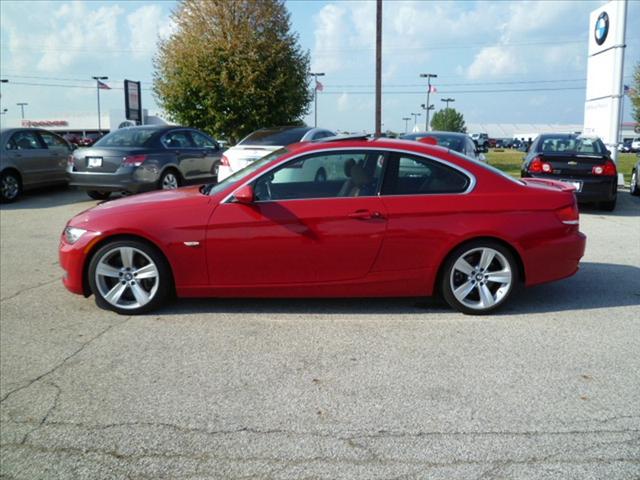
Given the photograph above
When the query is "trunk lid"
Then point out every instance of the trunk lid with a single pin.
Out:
(102, 159)
(242, 155)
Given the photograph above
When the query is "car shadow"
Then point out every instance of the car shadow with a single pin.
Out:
(596, 285)
(47, 197)
(627, 206)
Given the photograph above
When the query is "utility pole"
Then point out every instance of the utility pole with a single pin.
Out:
(378, 68)
(97, 79)
(406, 123)
(22, 105)
(415, 118)
(447, 100)
(428, 76)
(315, 96)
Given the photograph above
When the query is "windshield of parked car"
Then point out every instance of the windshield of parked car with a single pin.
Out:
(126, 137)
(238, 176)
(275, 137)
(562, 144)
(452, 142)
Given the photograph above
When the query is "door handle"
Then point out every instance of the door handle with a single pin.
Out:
(365, 215)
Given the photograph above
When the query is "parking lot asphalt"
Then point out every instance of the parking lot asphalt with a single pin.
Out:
(290, 389)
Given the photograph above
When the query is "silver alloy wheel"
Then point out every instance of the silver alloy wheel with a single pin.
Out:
(10, 187)
(127, 277)
(169, 181)
(634, 182)
(481, 278)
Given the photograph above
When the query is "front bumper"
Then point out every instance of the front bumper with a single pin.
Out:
(126, 179)
(72, 260)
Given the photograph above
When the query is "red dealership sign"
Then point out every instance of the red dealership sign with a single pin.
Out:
(44, 123)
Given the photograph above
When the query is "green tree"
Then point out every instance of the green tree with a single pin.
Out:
(448, 120)
(635, 96)
(232, 67)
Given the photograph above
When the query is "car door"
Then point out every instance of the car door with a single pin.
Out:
(301, 231)
(30, 155)
(184, 152)
(425, 205)
(211, 154)
(57, 154)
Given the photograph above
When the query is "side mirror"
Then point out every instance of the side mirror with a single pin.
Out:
(244, 195)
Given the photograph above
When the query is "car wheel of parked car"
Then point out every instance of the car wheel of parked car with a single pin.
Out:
(129, 277)
(169, 180)
(634, 184)
(478, 277)
(10, 186)
(610, 205)
(321, 175)
(98, 194)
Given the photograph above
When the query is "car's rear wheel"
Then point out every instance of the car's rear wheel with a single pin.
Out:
(10, 186)
(634, 183)
(170, 180)
(98, 194)
(129, 277)
(479, 277)
(609, 205)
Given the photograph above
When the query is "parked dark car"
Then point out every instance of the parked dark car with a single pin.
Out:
(635, 178)
(458, 142)
(581, 161)
(31, 158)
(137, 159)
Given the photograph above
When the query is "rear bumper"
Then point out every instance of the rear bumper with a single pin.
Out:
(594, 189)
(555, 259)
(128, 179)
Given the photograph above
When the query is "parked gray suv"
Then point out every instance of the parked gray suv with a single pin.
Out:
(30, 158)
(137, 159)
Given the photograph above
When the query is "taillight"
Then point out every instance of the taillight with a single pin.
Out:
(224, 161)
(608, 169)
(569, 215)
(70, 161)
(538, 166)
(133, 160)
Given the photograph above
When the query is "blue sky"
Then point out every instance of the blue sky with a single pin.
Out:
(480, 50)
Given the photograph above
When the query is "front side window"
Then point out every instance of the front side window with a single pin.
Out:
(323, 175)
(177, 139)
(412, 175)
(24, 141)
(53, 141)
(202, 141)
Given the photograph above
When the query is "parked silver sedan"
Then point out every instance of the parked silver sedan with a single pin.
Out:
(31, 158)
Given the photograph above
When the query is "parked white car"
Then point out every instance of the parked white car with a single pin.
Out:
(635, 145)
(264, 141)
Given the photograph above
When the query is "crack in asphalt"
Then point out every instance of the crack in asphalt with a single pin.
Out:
(27, 289)
(65, 360)
(54, 405)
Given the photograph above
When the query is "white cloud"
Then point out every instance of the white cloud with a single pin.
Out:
(495, 62)
(330, 38)
(147, 25)
(343, 102)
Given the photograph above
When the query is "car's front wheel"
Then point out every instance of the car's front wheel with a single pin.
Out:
(634, 183)
(129, 277)
(479, 277)
(10, 186)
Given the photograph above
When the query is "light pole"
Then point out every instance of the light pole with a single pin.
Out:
(415, 118)
(315, 96)
(428, 76)
(406, 123)
(447, 100)
(97, 79)
(22, 105)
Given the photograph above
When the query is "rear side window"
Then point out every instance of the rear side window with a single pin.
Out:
(275, 137)
(202, 141)
(177, 139)
(53, 141)
(413, 175)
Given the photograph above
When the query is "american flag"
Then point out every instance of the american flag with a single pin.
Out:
(319, 86)
(630, 92)
(432, 89)
(103, 86)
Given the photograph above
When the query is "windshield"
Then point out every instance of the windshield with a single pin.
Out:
(562, 144)
(237, 177)
(275, 137)
(126, 137)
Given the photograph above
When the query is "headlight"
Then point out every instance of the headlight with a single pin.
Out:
(73, 234)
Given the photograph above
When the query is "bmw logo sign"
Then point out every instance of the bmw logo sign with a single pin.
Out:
(602, 28)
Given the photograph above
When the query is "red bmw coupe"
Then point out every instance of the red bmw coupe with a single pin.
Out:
(388, 218)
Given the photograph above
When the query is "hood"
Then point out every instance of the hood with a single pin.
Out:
(187, 198)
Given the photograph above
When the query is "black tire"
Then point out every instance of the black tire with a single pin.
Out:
(634, 190)
(610, 205)
(169, 180)
(499, 293)
(321, 175)
(98, 194)
(162, 292)
(10, 186)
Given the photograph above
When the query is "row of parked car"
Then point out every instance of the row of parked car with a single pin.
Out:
(138, 159)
